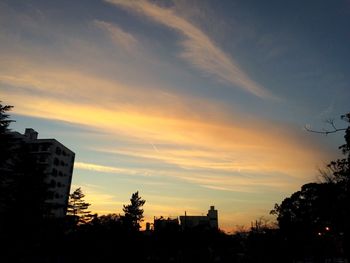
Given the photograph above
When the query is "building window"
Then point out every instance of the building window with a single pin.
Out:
(50, 196)
(62, 163)
(53, 183)
(45, 147)
(64, 153)
(60, 173)
(54, 172)
(58, 150)
(56, 161)
(42, 159)
(35, 147)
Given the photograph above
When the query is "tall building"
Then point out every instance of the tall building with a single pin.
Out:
(57, 162)
(210, 220)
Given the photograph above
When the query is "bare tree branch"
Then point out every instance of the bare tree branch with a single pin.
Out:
(324, 131)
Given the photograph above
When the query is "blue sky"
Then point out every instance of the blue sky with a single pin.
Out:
(193, 103)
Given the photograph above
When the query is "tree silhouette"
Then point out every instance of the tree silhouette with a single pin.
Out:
(110, 223)
(134, 212)
(77, 207)
(321, 210)
(5, 137)
(23, 190)
(4, 117)
(5, 153)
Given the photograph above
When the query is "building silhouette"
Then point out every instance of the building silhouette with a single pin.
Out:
(57, 162)
(209, 221)
(166, 224)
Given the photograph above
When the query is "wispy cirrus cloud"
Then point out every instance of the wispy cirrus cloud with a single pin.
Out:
(164, 129)
(232, 182)
(199, 49)
(181, 138)
(118, 35)
(201, 148)
(101, 168)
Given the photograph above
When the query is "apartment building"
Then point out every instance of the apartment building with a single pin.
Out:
(57, 162)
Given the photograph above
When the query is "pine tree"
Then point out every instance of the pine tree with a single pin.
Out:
(134, 212)
(5, 137)
(6, 194)
(77, 207)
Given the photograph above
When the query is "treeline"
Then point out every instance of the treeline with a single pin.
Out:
(78, 215)
(315, 221)
(312, 224)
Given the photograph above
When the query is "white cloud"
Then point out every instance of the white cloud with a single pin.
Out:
(199, 49)
(107, 169)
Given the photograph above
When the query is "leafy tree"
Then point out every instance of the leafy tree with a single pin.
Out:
(77, 207)
(108, 219)
(110, 223)
(320, 209)
(309, 210)
(134, 212)
(339, 170)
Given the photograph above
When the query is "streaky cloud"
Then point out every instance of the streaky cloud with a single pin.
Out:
(101, 168)
(218, 188)
(199, 49)
(118, 35)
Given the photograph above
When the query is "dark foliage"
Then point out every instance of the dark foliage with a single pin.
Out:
(23, 189)
(133, 212)
(77, 208)
(24, 213)
(5, 137)
(315, 221)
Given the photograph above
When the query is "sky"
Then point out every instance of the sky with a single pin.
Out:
(192, 103)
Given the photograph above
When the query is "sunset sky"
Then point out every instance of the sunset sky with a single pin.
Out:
(190, 102)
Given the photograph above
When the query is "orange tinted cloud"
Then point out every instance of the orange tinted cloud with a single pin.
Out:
(205, 145)
(101, 202)
(197, 140)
